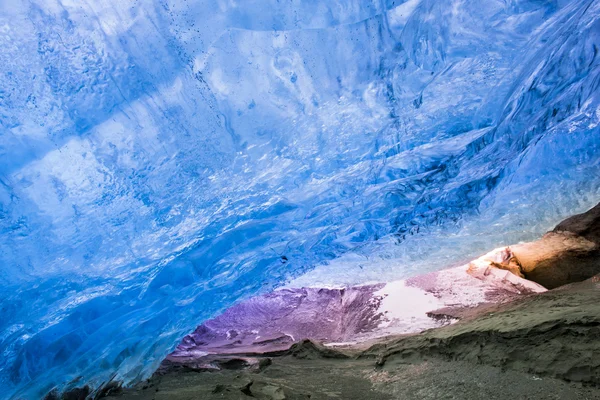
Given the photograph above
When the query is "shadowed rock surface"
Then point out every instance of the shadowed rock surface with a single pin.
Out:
(586, 225)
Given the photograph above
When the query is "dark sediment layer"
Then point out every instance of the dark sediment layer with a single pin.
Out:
(537, 346)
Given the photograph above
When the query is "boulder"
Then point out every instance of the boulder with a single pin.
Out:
(569, 253)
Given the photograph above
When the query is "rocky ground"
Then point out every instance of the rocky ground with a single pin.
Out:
(545, 346)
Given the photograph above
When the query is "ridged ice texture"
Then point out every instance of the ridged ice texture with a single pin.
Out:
(159, 160)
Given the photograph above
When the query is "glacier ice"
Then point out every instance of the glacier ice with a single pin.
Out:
(161, 160)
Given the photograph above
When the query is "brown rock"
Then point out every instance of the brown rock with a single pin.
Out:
(570, 253)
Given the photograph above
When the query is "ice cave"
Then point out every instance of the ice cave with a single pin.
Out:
(176, 174)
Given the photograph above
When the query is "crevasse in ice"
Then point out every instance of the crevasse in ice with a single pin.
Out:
(160, 160)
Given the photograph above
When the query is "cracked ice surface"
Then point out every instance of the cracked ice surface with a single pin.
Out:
(162, 160)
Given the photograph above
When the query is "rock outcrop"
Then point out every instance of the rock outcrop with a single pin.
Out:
(570, 253)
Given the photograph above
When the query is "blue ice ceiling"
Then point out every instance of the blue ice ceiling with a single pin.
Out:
(159, 160)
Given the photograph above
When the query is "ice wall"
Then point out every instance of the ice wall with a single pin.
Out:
(159, 160)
